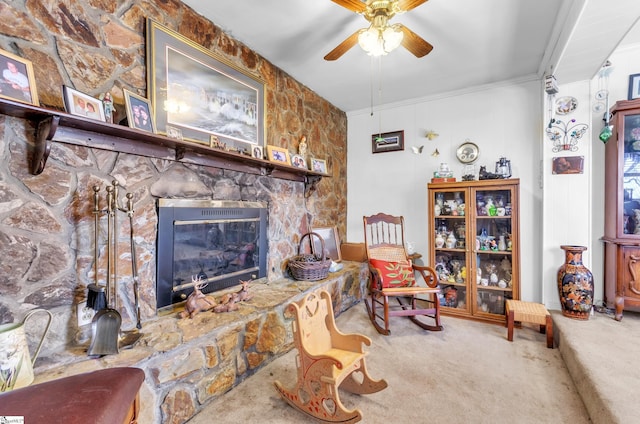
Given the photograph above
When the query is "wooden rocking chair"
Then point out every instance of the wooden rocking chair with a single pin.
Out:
(394, 275)
(327, 360)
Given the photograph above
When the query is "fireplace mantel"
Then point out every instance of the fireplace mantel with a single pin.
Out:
(56, 126)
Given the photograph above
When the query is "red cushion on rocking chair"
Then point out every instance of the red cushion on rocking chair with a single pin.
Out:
(394, 274)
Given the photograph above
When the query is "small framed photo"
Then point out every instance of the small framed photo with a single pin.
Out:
(331, 242)
(278, 154)
(634, 86)
(319, 165)
(568, 165)
(18, 82)
(257, 152)
(139, 114)
(174, 132)
(387, 142)
(298, 161)
(81, 104)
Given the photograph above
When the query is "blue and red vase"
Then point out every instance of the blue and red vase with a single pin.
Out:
(575, 284)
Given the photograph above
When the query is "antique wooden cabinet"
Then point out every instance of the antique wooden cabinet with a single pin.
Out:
(622, 209)
(474, 240)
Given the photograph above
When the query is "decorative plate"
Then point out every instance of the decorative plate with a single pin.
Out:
(565, 105)
(467, 152)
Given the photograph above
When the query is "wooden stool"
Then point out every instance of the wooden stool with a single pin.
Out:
(531, 312)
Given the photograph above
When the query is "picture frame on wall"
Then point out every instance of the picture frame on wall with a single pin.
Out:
(634, 87)
(139, 113)
(81, 104)
(18, 81)
(202, 94)
(278, 154)
(568, 165)
(331, 242)
(387, 142)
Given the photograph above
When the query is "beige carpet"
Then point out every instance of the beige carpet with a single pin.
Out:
(467, 373)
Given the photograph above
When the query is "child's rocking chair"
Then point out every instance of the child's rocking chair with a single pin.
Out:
(326, 361)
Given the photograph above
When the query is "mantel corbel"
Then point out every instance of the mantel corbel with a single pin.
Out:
(45, 132)
(310, 183)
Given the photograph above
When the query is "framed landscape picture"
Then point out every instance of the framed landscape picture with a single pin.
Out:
(387, 142)
(192, 89)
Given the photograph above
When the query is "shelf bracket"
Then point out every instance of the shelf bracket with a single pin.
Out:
(310, 183)
(44, 134)
(180, 152)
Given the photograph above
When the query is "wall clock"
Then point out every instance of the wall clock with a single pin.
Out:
(467, 152)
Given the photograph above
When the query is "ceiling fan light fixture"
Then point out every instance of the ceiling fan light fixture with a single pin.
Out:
(380, 41)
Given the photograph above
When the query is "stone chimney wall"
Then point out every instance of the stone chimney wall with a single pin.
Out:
(46, 220)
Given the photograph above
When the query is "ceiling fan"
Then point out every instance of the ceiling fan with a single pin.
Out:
(381, 37)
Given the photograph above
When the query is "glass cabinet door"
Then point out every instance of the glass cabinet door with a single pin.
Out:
(631, 175)
(493, 250)
(450, 246)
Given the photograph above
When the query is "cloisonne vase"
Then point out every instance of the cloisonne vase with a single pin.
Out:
(575, 284)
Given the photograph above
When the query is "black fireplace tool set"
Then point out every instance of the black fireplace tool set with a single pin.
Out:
(107, 337)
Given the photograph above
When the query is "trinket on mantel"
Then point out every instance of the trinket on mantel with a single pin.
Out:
(197, 301)
(229, 302)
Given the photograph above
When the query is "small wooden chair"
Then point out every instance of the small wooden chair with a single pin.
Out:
(327, 360)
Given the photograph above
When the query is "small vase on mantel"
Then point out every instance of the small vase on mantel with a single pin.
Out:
(575, 284)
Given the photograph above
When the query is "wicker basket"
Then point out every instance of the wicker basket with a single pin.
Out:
(310, 267)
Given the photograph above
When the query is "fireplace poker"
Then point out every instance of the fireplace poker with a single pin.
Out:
(134, 259)
(96, 297)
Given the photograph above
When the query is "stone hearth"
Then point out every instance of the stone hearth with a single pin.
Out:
(189, 362)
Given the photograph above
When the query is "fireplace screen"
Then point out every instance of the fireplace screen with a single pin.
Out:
(218, 242)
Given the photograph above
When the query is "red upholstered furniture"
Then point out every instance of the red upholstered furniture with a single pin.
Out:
(394, 276)
(107, 396)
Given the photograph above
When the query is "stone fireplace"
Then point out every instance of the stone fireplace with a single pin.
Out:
(47, 225)
(216, 243)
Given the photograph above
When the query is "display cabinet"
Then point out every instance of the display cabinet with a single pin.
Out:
(474, 240)
(622, 209)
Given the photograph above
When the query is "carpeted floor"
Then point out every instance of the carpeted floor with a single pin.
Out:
(467, 373)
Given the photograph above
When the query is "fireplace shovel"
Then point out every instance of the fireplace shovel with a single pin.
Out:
(106, 322)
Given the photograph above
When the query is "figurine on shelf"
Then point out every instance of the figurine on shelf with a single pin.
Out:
(107, 104)
(302, 147)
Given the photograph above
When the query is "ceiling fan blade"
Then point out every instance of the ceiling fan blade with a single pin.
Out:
(343, 47)
(353, 5)
(414, 43)
(406, 5)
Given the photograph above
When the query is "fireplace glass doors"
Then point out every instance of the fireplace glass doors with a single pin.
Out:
(217, 242)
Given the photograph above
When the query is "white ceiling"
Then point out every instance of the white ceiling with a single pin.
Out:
(475, 43)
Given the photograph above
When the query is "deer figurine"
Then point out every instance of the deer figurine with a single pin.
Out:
(197, 301)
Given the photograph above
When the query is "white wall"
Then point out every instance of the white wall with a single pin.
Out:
(503, 120)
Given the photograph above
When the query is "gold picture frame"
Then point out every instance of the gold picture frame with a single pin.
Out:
(278, 154)
(139, 112)
(319, 165)
(15, 73)
(202, 94)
